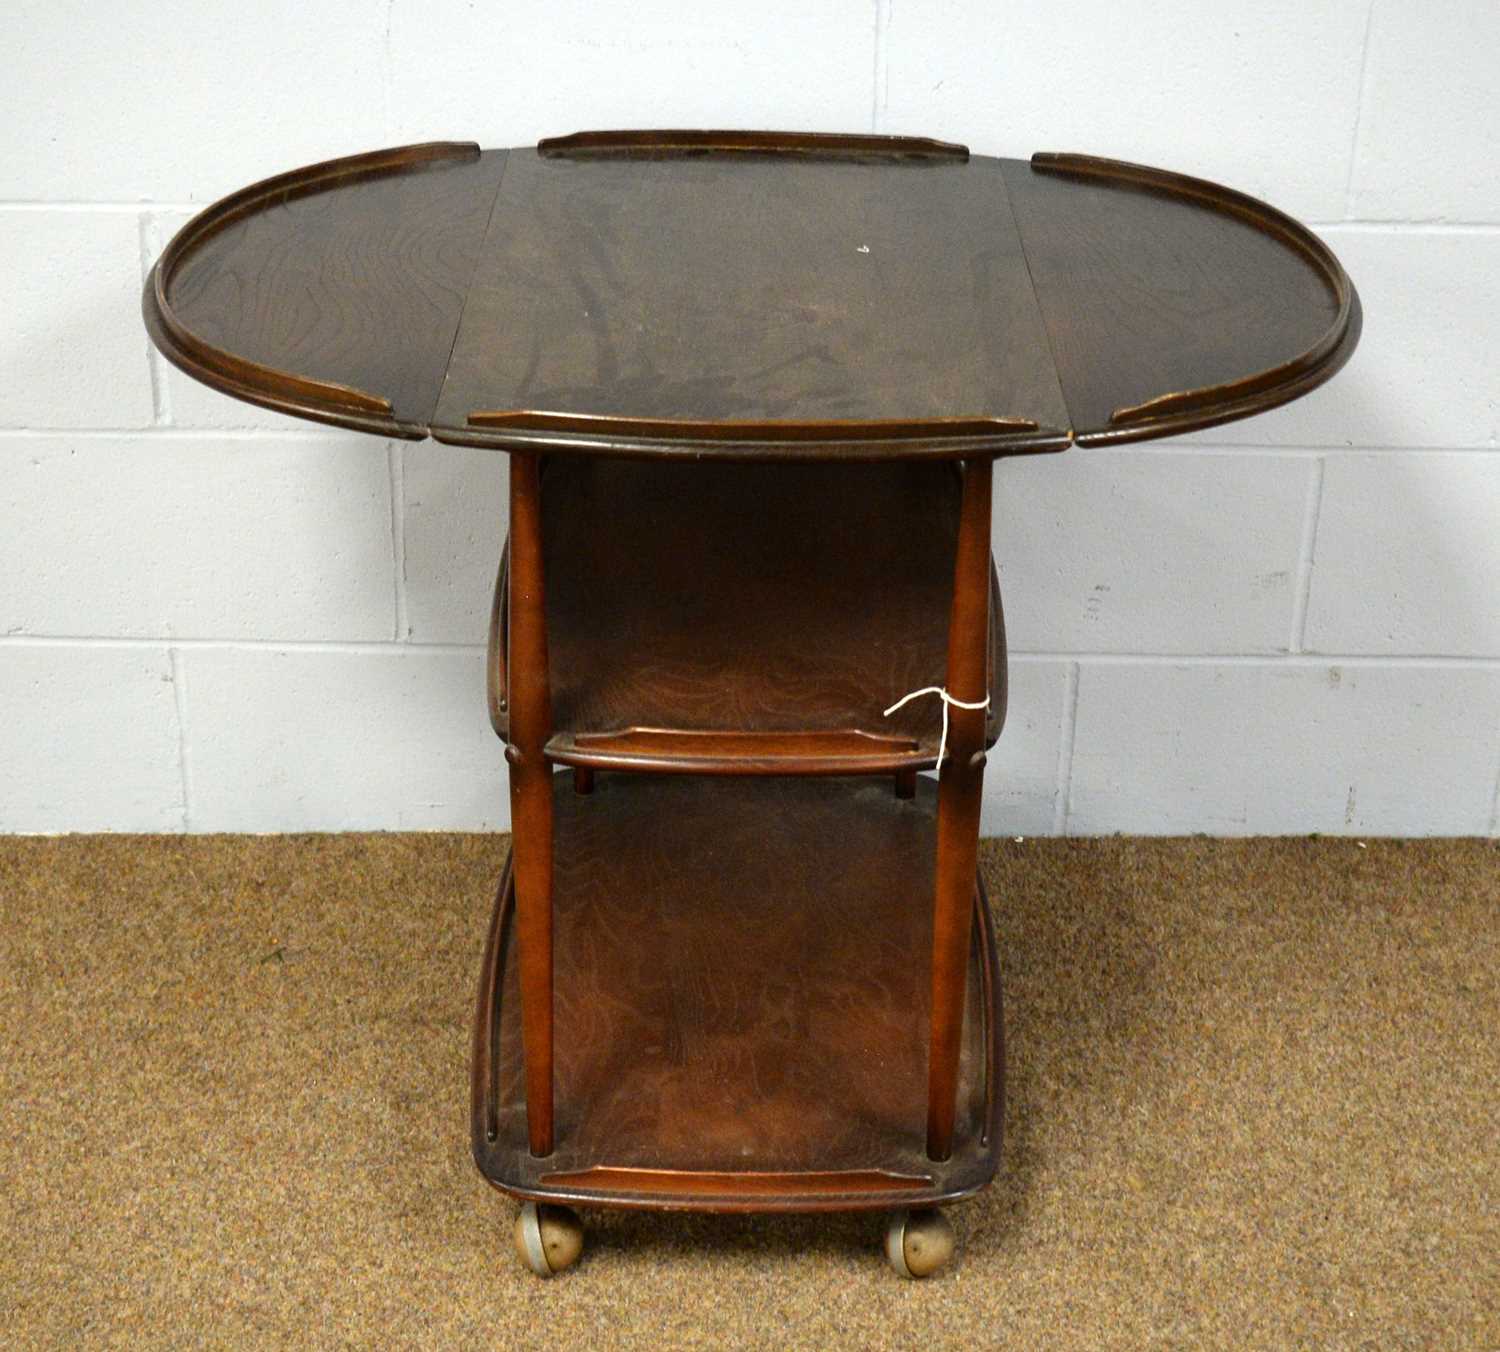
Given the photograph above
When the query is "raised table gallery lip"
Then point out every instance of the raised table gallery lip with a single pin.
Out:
(1183, 410)
(258, 381)
(956, 437)
(752, 429)
(1133, 415)
(683, 141)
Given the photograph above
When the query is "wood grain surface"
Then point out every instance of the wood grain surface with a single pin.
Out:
(750, 600)
(354, 278)
(1156, 285)
(750, 296)
(750, 288)
(741, 989)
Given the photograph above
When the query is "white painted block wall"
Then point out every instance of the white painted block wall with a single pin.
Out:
(213, 618)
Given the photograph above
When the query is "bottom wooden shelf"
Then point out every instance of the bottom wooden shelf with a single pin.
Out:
(741, 972)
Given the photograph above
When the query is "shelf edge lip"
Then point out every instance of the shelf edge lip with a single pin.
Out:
(563, 750)
(652, 142)
(1187, 410)
(972, 1180)
(731, 1184)
(254, 382)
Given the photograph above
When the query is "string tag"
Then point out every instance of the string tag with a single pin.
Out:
(947, 700)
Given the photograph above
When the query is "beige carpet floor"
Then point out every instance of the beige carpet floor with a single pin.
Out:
(1253, 1103)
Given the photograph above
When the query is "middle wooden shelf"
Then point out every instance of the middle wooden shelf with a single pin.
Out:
(746, 619)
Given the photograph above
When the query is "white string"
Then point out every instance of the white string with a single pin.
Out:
(947, 700)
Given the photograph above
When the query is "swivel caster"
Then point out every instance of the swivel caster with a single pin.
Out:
(548, 1238)
(918, 1243)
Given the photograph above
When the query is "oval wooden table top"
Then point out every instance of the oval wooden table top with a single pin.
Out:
(751, 295)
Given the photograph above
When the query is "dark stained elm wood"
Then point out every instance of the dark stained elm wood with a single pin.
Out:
(752, 431)
(752, 384)
(334, 292)
(742, 1003)
(496, 681)
(838, 145)
(531, 789)
(744, 1183)
(960, 787)
(786, 294)
(782, 607)
(702, 294)
(1172, 303)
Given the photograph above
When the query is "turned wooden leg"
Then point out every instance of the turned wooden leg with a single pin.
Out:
(531, 792)
(960, 785)
(906, 783)
(583, 779)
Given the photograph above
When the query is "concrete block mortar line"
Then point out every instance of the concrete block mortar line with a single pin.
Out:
(1249, 448)
(310, 432)
(388, 75)
(880, 78)
(103, 207)
(334, 647)
(376, 648)
(397, 464)
(327, 436)
(1479, 662)
(1305, 557)
(161, 403)
(184, 746)
(1403, 225)
(1359, 107)
(1062, 803)
(1395, 225)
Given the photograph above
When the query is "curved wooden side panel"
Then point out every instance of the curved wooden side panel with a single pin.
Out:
(497, 675)
(992, 1007)
(840, 145)
(1184, 410)
(996, 674)
(302, 396)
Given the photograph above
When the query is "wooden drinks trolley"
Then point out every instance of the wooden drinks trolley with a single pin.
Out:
(752, 386)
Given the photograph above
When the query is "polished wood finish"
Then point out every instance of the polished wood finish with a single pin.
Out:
(496, 667)
(739, 1183)
(960, 786)
(872, 297)
(752, 384)
(1173, 303)
(531, 790)
(750, 619)
(815, 596)
(332, 292)
(742, 1015)
(833, 145)
(747, 306)
(749, 430)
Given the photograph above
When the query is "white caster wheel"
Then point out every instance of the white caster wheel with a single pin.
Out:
(918, 1243)
(548, 1238)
